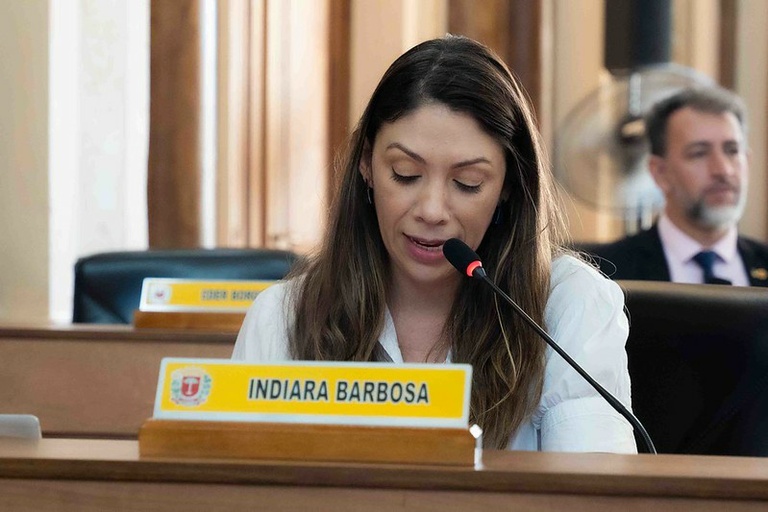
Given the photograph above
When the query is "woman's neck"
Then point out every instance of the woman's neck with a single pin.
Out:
(419, 314)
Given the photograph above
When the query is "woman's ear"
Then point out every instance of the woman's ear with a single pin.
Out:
(364, 166)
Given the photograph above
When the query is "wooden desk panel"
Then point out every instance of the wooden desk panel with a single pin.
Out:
(92, 381)
(65, 474)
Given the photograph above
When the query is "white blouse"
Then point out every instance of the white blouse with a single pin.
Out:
(585, 316)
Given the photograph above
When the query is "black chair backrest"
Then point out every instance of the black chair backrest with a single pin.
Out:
(108, 285)
(698, 359)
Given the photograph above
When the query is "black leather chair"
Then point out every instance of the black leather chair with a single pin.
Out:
(108, 285)
(698, 359)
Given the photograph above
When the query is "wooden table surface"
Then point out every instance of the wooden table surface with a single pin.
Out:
(56, 474)
(99, 381)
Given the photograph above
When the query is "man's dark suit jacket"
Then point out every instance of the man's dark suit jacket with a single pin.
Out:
(641, 257)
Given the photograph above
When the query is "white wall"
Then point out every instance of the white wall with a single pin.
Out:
(99, 126)
(24, 159)
(74, 103)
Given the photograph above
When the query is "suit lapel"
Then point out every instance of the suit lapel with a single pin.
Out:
(653, 263)
(757, 269)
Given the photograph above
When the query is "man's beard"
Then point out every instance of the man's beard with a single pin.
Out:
(716, 217)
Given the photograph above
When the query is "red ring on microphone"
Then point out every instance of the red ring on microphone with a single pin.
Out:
(472, 266)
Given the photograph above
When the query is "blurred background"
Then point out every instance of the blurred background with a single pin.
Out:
(135, 124)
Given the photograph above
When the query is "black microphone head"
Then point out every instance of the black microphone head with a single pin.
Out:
(459, 254)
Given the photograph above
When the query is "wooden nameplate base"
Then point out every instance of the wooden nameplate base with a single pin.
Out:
(207, 321)
(306, 442)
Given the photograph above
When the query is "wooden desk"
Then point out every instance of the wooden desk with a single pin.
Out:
(92, 380)
(66, 474)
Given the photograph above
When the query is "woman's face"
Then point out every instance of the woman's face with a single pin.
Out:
(435, 175)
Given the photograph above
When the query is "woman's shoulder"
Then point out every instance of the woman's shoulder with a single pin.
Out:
(576, 287)
(275, 294)
(264, 333)
(273, 300)
(572, 274)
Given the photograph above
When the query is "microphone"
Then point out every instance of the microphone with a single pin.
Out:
(466, 261)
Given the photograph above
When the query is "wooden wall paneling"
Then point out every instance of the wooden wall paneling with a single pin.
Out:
(575, 69)
(696, 35)
(308, 143)
(525, 47)
(752, 85)
(511, 29)
(232, 197)
(728, 27)
(88, 380)
(376, 40)
(276, 128)
(257, 201)
(483, 21)
(173, 181)
(296, 147)
(423, 20)
(339, 90)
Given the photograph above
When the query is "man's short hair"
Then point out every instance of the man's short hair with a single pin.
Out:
(711, 100)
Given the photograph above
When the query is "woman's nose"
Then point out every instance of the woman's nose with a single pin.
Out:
(432, 204)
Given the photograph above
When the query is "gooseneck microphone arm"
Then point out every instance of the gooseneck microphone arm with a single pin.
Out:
(467, 262)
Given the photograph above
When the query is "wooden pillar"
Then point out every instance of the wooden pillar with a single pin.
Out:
(339, 90)
(510, 28)
(728, 32)
(239, 117)
(173, 181)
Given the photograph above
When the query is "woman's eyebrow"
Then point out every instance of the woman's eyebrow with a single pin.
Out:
(420, 159)
(473, 161)
(410, 153)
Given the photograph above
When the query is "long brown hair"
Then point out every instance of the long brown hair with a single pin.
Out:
(340, 298)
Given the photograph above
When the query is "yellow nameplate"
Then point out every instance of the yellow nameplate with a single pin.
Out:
(164, 294)
(376, 394)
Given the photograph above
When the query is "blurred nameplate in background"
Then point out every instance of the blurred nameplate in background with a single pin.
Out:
(196, 304)
(362, 412)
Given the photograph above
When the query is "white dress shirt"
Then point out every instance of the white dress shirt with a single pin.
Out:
(679, 250)
(584, 314)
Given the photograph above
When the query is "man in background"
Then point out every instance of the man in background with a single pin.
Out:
(700, 161)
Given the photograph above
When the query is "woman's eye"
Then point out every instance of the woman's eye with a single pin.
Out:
(403, 178)
(468, 188)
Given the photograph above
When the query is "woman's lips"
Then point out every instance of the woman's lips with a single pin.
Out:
(426, 250)
(434, 243)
